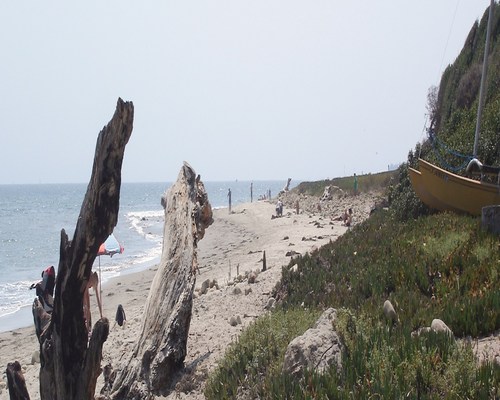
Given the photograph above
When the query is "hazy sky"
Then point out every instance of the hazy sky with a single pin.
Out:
(246, 90)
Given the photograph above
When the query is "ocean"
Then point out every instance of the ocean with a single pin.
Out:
(32, 217)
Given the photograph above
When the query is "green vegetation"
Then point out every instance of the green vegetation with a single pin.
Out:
(441, 266)
(256, 359)
(366, 183)
(453, 116)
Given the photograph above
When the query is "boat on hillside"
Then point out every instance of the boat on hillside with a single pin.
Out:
(445, 191)
(442, 190)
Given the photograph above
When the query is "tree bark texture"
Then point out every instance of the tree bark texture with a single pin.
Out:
(70, 362)
(161, 348)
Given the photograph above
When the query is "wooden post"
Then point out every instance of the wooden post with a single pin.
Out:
(490, 219)
(264, 264)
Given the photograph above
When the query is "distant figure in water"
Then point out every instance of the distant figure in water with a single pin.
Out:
(229, 197)
(45, 288)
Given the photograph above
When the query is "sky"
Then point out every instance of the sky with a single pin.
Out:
(241, 90)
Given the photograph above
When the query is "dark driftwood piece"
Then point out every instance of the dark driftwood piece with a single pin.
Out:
(161, 348)
(70, 362)
(16, 382)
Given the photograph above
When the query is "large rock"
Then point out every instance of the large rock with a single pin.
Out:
(438, 325)
(317, 349)
(389, 312)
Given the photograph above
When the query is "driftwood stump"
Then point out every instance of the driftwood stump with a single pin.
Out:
(70, 362)
(16, 382)
(161, 349)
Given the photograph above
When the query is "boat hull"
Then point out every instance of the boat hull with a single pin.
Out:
(446, 191)
(425, 196)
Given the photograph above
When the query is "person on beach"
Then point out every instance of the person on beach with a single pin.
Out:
(279, 208)
(229, 198)
(347, 218)
(45, 288)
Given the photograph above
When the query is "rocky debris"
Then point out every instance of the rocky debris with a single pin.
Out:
(249, 277)
(208, 284)
(252, 277)
(35, 358)
(292, 253)
(330, 191)
(389, 312)
(233, 321)
(248, 291)
(317, 349)
(271, 303)
(237, 290)
(333, 208)
(438, 326)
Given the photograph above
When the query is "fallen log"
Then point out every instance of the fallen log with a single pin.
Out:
(161, 349)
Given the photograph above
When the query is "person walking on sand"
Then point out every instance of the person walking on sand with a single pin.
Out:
(229, 198)
(251, 192)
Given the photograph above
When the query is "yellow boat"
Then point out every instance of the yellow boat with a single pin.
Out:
(445, 191)
(422, 192)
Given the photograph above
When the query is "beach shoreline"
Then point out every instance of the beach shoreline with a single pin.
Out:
(232, 246)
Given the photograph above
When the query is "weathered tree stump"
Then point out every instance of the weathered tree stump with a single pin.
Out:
(490, 219)
(70, 363)
(161, 349)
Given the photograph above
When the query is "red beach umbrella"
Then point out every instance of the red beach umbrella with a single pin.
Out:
(110, 247)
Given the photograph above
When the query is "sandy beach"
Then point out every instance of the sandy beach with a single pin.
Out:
(232, 246)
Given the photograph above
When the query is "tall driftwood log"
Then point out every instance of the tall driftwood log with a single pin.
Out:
(161, 348)
(70, 362)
